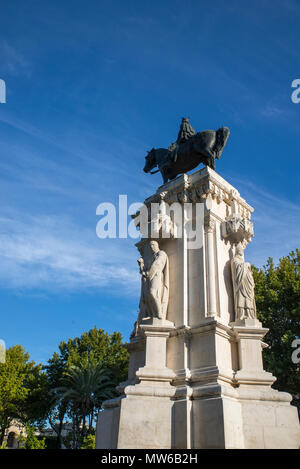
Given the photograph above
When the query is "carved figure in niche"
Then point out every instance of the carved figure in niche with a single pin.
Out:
(154, 270)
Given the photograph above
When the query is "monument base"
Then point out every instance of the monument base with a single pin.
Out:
(201, 408)
(234, 419)
(136, 422)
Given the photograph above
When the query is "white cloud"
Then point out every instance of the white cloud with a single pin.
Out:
(52, 254)
(55, 254)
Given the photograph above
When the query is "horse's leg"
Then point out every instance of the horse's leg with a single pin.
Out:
(212, 162)
(209, 156)
(164, 173)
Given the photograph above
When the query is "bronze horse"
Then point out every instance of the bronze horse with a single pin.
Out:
(203, 147)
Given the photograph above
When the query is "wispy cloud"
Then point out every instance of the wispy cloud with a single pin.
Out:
(276, 222)
(53, 254)
(56, 253)
(271, 111)
(13, 61)
(74, 146)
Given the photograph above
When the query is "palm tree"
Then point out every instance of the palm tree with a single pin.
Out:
(85, 387)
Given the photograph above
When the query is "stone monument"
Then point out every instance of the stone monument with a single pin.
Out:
(196, 376)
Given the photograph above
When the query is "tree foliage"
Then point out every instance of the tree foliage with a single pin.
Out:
(85, 358)
(85, 388)
(89, 442)
(23, 389)
(94, 347)
(277, 293)
(31, 441)
(86, 370)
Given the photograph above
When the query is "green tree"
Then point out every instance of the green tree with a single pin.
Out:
(21, 389)
(58, 407)
(85, 388)
(35, 408)
(94, 347)
(277, 293)
(31, 441)
(90, 349)
(89, 442)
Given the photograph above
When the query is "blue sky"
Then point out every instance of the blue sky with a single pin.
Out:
(91, 86)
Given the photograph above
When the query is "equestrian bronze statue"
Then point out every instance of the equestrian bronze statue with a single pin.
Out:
(187, 152)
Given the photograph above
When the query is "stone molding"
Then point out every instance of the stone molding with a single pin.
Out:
(199, 187)
(208, 326)
(232, 333)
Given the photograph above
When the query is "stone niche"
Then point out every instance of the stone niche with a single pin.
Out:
(196, 377)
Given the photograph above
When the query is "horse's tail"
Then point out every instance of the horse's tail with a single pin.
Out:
(222, 135)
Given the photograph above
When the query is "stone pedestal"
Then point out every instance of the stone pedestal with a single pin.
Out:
(196, 379)
(144, 418)
(249, 334)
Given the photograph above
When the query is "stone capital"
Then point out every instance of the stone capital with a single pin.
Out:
(237, 229)
(209, 224)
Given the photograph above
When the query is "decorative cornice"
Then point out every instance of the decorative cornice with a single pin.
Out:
(197, 187)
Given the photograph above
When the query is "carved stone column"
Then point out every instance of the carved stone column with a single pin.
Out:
(210, 226)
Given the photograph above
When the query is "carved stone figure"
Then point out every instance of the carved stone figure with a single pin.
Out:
(186, 131)
(237, 229)
(243, 286)
(154, 270)
(187, 152)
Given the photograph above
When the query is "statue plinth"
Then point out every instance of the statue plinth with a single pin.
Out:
(155, 370)
(196, 376)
